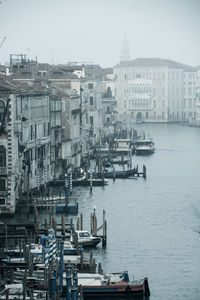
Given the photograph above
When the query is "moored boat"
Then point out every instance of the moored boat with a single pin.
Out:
(144, 147)
(86, 239)
(113, 285)
(120, 174)
(87, 182)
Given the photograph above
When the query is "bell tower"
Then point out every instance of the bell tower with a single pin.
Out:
(124, 53)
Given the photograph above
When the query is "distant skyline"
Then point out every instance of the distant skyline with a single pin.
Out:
(92, 30)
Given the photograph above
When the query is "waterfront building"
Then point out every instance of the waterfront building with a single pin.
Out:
(56, 135)
(24, 141)
(151, 90)
(197, 119)
(71, 140)
(190, 94)
(9, 148)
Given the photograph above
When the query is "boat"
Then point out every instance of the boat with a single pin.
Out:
(70, 249)
(120, 174)
(86, 182)
(123, 146)
(144, 147)
(113, 285)
(86, 239)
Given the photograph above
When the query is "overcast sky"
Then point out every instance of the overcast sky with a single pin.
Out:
(58, 31)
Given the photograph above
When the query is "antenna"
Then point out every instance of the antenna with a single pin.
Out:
(2, 41)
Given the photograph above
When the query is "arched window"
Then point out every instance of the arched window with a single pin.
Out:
(2, 156)
(2, 108)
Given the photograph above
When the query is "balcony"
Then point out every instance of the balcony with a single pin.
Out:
(3, 171)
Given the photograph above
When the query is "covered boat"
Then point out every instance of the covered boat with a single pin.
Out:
(113, 285)
(144, 147)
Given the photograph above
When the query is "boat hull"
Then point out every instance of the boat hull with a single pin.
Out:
(109, 291)
(120, 174)
(87, 182)
(144, 151)
(119, 289)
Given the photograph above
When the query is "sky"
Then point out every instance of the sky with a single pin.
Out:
(62, 31)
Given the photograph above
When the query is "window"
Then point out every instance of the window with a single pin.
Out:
(2, 109)
(84, 234)
(108, 110)
(91, 100)
(63, 105)
(108, 120)
(163, 115)
(138, 75)
(147, 115)
(91, 120)
(90, 86)
(2, 156)
(154, 115)
(31, 132)
(44, 129)
(36, 131)
(3, 184)
(2, 201)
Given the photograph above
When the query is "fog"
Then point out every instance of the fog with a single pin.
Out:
(92, 30)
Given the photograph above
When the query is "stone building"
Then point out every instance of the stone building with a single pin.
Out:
(197, 120)
(10, 175)
(24, 141)
(151, 90)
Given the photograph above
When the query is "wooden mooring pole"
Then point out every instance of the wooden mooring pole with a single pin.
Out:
(144, 172)
(104, 238)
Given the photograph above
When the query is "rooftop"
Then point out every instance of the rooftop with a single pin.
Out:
(155, 62)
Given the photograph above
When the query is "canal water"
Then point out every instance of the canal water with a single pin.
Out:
(153, 224)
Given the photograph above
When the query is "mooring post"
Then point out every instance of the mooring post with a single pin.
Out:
(75, 284)
(24, 284)
(137, 171)
(66, 188)
(63, 225)
(61, 264)
(94, 222)
(78, 224)
(90, 180)
(123, 161)
(52, 286)
(68, 281)
(81, 221)
(144, 171)
(70, 182)
(104, 239)
(113, 173)
(91, 223)
(100, 270)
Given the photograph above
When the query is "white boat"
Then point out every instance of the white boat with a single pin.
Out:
(144, 147)
(86, 239)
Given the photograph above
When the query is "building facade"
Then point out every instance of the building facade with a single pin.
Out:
(151, 90)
